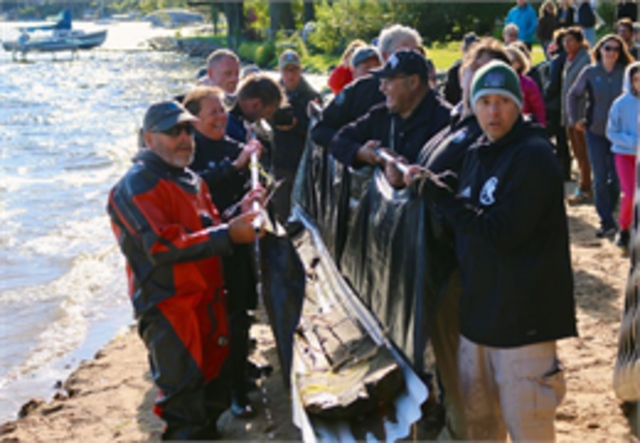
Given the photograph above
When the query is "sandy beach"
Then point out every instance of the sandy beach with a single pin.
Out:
(110, 397)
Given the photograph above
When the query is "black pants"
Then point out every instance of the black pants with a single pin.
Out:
(189, 401)
(558, 132)
(240, 282)
(282, 198)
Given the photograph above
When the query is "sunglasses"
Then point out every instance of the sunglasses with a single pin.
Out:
(176, 130)
(608, 48)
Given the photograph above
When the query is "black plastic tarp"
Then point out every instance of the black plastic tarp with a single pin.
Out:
(383, 241)
(283, 285)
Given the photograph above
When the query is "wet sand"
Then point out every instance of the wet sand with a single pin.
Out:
(111, 397)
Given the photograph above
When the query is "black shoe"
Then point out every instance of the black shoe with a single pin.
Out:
(622, 240)
(603, 231)
(241, 406)
(258, 371)
(174, 432)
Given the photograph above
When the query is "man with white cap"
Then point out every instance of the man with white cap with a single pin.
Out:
(172, 236)
(512, 244)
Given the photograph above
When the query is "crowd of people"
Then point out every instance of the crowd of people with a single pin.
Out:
(488, 150)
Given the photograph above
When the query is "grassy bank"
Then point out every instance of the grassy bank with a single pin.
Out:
(265, 54)
(442, 54)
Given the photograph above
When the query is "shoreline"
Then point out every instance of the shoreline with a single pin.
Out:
(111, 396)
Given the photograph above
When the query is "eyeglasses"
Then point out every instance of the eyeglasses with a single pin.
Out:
(176, 130)
(608, 48)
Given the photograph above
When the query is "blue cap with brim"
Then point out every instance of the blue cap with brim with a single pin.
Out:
(164, 115)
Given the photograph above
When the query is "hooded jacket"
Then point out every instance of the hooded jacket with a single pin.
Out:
(526, 19)
(624, 118)
(601, 88)
(512, 241)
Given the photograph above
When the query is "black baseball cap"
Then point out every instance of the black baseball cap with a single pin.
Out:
(407, 62)
(164, 115)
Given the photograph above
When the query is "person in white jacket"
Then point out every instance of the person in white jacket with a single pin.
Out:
(622, 132)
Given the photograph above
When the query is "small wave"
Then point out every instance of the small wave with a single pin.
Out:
(94, 285)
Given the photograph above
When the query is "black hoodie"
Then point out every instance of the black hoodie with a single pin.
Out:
(512, 241)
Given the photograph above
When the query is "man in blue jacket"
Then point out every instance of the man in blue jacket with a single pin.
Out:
(512, 244)
(525, 18)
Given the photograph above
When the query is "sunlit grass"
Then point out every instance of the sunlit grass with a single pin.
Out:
(443, 56)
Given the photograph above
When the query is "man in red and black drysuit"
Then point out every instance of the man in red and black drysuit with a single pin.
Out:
(172, 236)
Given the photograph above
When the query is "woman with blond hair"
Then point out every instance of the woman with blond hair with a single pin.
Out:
(547, 23)
(601, 82)
(343, 75)
(532, 101)
(566, 14)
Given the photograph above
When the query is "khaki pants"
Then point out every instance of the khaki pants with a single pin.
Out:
(510, 389)
(578, 142)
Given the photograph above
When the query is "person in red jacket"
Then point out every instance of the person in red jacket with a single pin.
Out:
(533, 102)
(342, 75)
(172, 236)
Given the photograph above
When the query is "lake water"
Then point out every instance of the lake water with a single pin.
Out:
(67, 133)
(68, 129)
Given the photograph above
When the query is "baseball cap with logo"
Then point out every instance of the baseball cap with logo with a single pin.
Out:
(164, 115)
(405, 62)
(496, 77)
(469, 39)
(364, 53)
(288, 58)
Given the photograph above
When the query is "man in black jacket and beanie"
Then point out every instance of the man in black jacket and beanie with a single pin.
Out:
(512, 244)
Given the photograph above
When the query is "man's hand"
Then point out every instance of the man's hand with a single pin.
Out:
(245, 155)
(241, 229)
(394, 177)
(437, 187)
(246, 204)
(580, 126)
(367, 153)
(413, 172)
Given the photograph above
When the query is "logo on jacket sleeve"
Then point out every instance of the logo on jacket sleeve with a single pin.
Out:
(488, 190)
